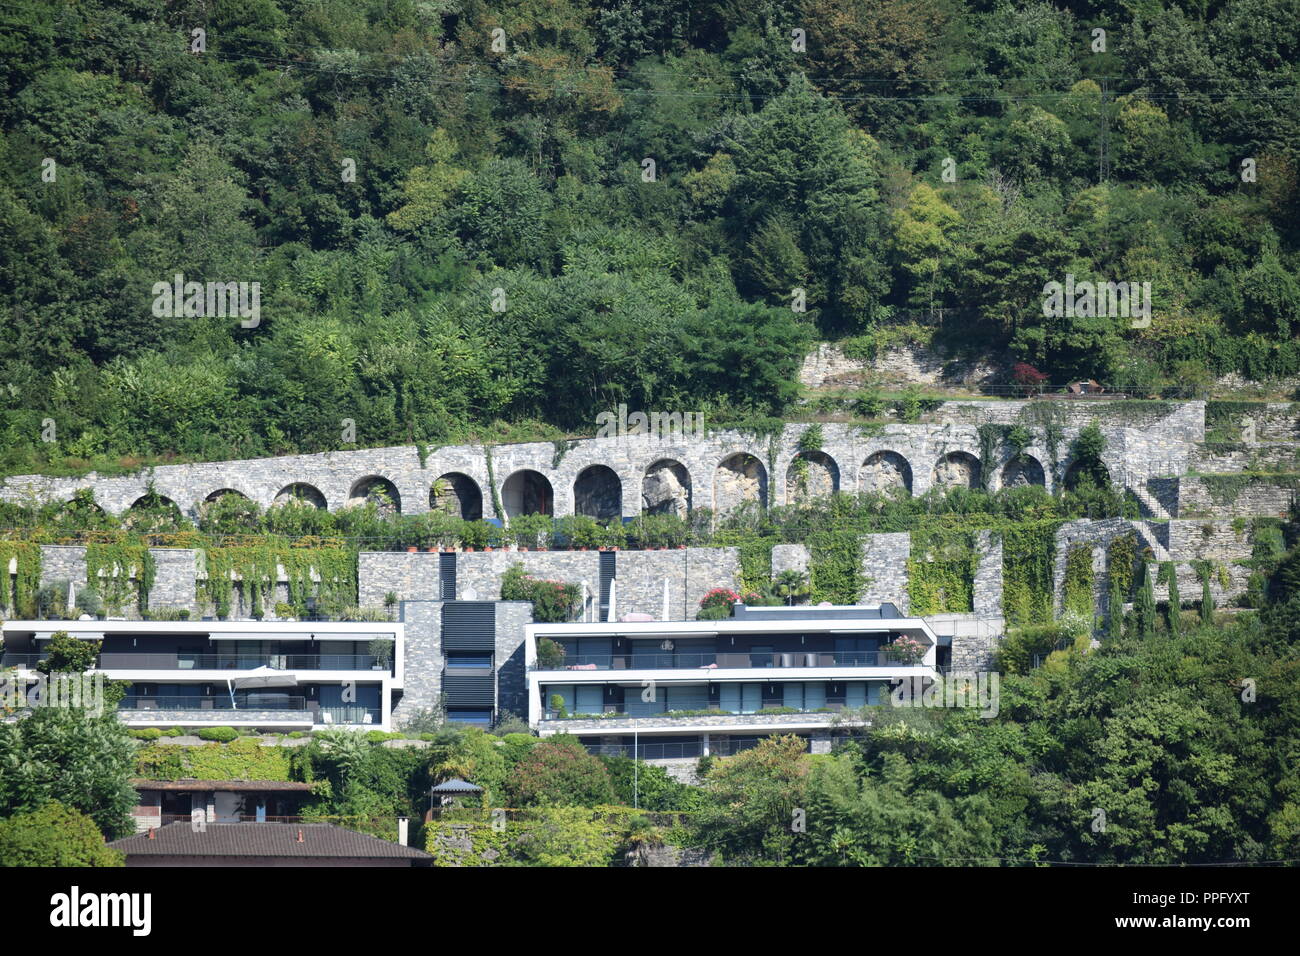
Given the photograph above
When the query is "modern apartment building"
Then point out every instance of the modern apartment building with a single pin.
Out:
(279, 675)
(669, 690)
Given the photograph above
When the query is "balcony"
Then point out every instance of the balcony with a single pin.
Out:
(252, 702)
(129, 660)
(768, 720)
(739, 660)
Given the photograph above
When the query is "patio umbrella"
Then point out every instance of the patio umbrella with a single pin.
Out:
(263, 676)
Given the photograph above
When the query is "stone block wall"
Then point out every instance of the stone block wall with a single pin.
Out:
(988, 574)
(884, 564)
(1206, 497)
(690, 573)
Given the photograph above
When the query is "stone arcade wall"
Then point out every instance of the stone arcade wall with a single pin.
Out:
(713, 471)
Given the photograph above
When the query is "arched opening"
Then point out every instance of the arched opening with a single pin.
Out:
(811, 475)
(738, 479)
(377, 490)
(301, 494)
(153, 513)
(598, 493)
(1023, 471)
(527, 492)
(957, 469)
(227, 511)
(666, 489)
(458, 495)
(885, 472)
(1087, 470)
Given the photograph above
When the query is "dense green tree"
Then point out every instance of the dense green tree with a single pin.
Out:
(54, 835)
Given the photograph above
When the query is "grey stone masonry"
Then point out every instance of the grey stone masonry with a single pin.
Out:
(690, 573)
(1254, 495)
(512, 677)
(620, 724)
(714, 470)
(975, 638)
(988, 574)
(218, 718)
(790, 557)
(423, 662)
(1221, 458)
(174, 581)
(884, 564)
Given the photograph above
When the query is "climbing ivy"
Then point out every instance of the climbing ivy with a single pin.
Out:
(21, 595)
(1079, 580)
(492, 483)
(328, 573)
(116, 568)
(941, 572)
(1028, 557)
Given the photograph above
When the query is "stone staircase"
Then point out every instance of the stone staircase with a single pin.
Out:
(1147, 536)
(1149, 502)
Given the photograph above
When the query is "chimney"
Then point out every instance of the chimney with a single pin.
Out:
(300, 840)
(151, 834)
(403, 830)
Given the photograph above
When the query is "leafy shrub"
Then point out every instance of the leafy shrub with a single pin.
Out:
(219, 734)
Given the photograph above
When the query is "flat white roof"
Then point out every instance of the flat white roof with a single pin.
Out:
(218, 630)
(650, 629)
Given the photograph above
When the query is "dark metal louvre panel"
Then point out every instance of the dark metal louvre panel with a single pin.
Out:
(469, 626)
(465, 691)
(447, 576)
(608, 568)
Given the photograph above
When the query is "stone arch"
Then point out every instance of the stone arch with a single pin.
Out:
(598, 492)
(378, 489)
(1023, 470)
(301, 493)
(738, 478)
(957, 469)
(666, 489)
(153, 512)
(812, 474)
(457, 494)
(885, 471)
(1098, 470)
(222, 492)
(527, 492)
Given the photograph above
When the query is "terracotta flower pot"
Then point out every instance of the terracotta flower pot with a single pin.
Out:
(471, 550)
(412, 550)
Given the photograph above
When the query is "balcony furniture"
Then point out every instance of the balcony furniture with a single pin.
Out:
(618, 663)
(708, 667)
(733, 660)
(366, 718)
(581, 667)
(826, 659)
(206, 704)
(326, 717)
(783, 660)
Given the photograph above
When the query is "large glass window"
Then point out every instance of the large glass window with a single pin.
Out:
(589, 699)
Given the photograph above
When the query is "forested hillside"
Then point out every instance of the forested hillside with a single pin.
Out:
(461, 232)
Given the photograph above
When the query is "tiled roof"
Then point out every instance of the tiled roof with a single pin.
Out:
(263, 839)
(239, 786)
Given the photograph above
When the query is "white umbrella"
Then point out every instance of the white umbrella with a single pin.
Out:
(260, 677)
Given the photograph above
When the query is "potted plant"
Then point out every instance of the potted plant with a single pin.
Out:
(390, 602)
(550, 654)
(381, 649)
